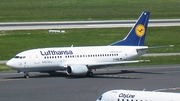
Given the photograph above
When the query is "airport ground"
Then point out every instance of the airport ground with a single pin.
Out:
(42, 87)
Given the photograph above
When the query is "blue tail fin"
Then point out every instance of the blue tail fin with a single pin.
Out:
(137, 34)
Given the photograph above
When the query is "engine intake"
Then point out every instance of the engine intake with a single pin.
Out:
(77, 70)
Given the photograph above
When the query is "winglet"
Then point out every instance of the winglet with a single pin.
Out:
(137, 34)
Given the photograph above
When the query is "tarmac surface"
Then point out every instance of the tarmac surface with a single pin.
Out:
(84, 24)
(60, 87)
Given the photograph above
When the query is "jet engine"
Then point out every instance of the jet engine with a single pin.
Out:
(77, 70)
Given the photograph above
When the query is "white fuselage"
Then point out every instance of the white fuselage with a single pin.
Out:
(50, 59)
(130, 95)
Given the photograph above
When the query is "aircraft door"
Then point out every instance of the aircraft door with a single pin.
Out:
(20, 64)
(126, 56)
(123, 56)
(36, 59)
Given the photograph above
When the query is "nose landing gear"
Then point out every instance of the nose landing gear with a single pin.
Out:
(26, 74)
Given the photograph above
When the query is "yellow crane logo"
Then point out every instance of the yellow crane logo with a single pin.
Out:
(140, 30)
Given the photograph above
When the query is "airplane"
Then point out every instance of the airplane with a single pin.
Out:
(81, 61)
(134, 95)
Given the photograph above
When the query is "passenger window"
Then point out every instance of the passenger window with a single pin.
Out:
(16, 57)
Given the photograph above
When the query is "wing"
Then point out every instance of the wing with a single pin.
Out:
(114, 63)
(82, 69)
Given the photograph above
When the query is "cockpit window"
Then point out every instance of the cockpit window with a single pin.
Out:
(100, 98)
(20, 57)
(16, 57)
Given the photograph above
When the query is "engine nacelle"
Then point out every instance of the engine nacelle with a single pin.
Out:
(77, 70)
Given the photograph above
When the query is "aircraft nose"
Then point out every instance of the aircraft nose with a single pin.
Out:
(10, 64)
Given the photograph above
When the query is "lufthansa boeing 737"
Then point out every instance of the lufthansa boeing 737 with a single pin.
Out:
(82, 60)
(131, 95)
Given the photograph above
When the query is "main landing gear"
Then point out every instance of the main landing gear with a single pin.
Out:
(89, 74)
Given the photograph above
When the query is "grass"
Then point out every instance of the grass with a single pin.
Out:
(3, 67)
(13, 42)
(63, 10)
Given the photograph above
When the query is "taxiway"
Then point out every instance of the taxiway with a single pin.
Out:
(42, 87)
(83, 24)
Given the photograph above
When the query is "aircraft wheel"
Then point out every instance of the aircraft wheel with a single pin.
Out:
(26, 76)
(90, 74)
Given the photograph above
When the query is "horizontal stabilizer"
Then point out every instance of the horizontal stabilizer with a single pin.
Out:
(155, 47)
(161, 46)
